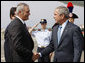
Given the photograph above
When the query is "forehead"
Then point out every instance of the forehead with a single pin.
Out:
(56, 11)
(43, 23)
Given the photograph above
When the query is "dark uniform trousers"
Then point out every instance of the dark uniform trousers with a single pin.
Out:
(43, 58)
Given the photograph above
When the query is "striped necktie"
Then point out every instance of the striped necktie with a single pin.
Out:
(59, 33)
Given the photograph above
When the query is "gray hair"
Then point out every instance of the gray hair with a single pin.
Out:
(20, 7)
(63, 10)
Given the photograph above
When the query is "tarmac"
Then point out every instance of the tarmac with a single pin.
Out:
(34, 50)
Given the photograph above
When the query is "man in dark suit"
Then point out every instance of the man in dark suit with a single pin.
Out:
(67, 39)
(17, 37)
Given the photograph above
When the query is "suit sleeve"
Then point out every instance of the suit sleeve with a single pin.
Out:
(49, 48)
(18, 43)
(78, 44)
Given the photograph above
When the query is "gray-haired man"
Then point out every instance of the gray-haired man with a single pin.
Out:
(18, 38)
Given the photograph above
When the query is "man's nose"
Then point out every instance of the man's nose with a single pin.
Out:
(54, 17)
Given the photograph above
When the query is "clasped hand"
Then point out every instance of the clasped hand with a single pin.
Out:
(35, 56)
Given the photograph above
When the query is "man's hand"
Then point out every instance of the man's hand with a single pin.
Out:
(31, 29)
(35, 56)
(36, 24)
(50, 56)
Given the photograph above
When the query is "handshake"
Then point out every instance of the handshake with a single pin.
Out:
(35, 56)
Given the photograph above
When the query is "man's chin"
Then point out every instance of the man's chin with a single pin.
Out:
(26, 19)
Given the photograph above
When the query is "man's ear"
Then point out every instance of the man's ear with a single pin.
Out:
(21, 12)
(62, 16)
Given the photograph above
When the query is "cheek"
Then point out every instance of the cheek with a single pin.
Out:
(44, 25)
(57, 17)
(25, 15)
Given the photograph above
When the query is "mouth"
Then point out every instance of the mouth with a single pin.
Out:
(27, 17)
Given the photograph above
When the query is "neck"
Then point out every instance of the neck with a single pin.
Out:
(43, 29)
(64, 20)
(20, 17)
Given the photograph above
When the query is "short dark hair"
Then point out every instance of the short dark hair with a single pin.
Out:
(12, 11)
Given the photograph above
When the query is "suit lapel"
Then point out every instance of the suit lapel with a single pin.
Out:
(64, 33)
(24, 26)
(55, 35)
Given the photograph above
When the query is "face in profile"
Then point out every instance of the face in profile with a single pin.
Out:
(26, 13)
(57, 16)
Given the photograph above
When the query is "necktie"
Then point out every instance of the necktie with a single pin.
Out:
(59, 33)
(25, 26)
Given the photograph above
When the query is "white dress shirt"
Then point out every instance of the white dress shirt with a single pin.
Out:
(63, 27)
(42, 37)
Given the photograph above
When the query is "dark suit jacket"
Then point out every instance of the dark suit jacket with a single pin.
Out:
(18, 43)
(70, 46)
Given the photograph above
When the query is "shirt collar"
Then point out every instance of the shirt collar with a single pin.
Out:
(44, 30)
(20, 19)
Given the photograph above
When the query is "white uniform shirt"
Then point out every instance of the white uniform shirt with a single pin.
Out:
(43, 38)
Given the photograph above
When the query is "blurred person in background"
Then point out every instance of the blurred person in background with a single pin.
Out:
(12, 13)
(72, 16)
(43, 38)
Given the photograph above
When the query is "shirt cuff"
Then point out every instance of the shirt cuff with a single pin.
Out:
(40, 54)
